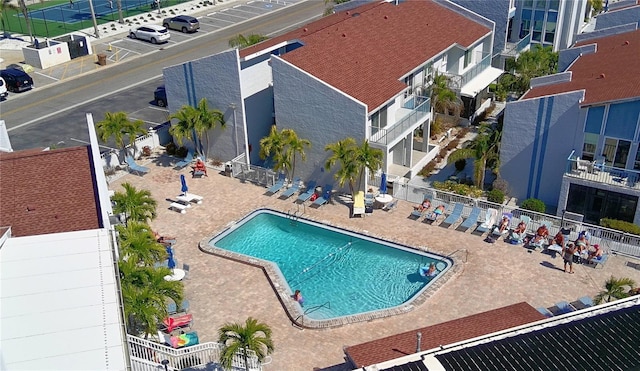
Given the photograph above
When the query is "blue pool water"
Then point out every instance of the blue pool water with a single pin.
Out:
(353, 273)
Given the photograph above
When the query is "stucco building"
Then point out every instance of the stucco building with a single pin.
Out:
(364, 73)
(573, 139)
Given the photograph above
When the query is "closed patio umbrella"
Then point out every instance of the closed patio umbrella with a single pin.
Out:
(171, 263)
(383, 184)
(183, 180)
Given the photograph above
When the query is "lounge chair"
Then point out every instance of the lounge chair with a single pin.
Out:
(471, 220)
(179, 341)
(455, 215)
(369, 199)
(175, 322)
(545, 312)
(311, 188)
(434, 214)
(542, 243)
(295, 187)
(358, 204)
(563, 307)
(173, 309)
(390, 206)
(326, 196)
(599, 261)
(278, 185)
(489, 221)
(420, 210)
(135, 168)
(582, 303)
(188, 159)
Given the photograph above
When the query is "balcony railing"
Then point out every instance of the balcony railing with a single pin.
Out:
(388, 134)
(475, 70)
(513, 49)
(600, 173)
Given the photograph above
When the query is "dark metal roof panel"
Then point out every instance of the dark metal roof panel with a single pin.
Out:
(609, 341)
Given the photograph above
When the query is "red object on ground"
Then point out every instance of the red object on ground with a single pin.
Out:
(177, 322)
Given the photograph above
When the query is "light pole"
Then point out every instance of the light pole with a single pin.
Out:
(235, 128)
(93, 18)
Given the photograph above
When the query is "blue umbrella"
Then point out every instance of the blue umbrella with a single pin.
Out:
(184, 183)
(383, 183)
(171, 263)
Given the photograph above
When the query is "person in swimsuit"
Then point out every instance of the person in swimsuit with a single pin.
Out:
(426, 205)
(297, 296)
(567, 255)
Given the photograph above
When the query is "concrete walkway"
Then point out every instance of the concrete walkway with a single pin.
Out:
(222, 291)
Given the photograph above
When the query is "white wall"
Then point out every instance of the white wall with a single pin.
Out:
(56, 53)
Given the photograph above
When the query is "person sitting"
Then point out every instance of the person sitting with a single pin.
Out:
(200, 167)
(582, 244)
(297, 296)
(432, 270)
(504, 224)
(519, 233)
(595, 253)
(558, 239)
(542, 233)
(424, 206)
(164, 240)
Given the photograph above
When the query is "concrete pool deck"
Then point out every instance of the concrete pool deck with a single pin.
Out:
(222, 291)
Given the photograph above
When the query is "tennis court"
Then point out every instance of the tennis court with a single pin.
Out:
(79, 10)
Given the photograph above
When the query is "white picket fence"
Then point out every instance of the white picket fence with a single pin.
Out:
(155, 137)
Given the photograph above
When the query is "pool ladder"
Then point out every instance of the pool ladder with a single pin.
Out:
(293, 217)
(310, 310)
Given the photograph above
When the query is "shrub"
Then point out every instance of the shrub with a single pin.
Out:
(460, 164)
(171, 149)
(495, 195)
(182, 152)
(534, 204)
(460, 189)
(436, 127)
(427, 169)
(502, 185)
(620, 225)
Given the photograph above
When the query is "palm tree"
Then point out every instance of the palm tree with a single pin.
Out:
(294, 145)
(240, 41)
(615, 288)
(118, 125)
(443, 99)
(208, 119)
(199, 120)
(145, 293)
(187, 117)
(485, 148)
(135, 205)
(137, 243)
(343, 152)
(254, 336)
(273, 146)
(367, 158)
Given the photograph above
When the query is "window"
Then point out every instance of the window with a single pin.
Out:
(428, 74)
(538, 20)
(554, 4)
(409, 82)
(595, 204)
(525, 23)
(528, 3)
(379, 120)
(467, 58)
(550, 27)
(616, 152)
(636, 164)
(589, 146)
(541, 4)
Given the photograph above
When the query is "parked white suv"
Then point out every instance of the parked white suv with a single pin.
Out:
(150, 32)
(3, 89)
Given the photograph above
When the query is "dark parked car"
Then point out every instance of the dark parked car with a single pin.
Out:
(160, 96)
(16, 80)
(184, 23)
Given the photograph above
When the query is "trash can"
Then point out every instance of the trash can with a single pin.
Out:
(228, 169)
(102, 59)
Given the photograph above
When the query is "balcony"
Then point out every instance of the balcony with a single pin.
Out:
(513, 49)
(476, 70)
(387, 135)
(599, 173)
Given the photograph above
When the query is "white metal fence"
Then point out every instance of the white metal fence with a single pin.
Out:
(155, 137)
(251, 173)
(609, 239)
(148, 355)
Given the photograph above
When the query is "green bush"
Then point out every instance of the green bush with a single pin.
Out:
(534, 204)
(171, 149)
(495, 195)
(427, 169)
(502, 185)
(460, 189)
(620, 225)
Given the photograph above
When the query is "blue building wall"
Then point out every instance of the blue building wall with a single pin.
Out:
(316, 111)
(537, 138)
(215, 78)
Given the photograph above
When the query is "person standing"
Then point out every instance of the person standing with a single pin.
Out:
(567, 256)
(70, 3)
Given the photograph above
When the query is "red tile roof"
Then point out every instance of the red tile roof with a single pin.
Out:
(366, 51)
(400, 345)
(611, 73)
(45, 192)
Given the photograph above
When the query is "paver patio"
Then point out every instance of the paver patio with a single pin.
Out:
(221, 291)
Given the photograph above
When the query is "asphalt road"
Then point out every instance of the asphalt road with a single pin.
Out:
(55, 115)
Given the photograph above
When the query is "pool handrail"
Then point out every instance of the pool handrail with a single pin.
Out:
(312, 309)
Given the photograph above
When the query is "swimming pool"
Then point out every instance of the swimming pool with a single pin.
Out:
(340, 273)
